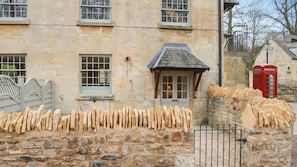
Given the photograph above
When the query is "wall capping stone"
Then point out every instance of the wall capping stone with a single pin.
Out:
(79, 122)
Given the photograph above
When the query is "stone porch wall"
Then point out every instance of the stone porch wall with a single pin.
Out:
(126, 138)
(267, 124)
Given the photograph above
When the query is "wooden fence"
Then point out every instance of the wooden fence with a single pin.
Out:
(14, 97)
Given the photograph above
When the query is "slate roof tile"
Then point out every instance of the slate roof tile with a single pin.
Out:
(176, 56)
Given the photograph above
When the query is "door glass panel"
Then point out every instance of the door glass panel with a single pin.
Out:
(179, 94)
(182, 87)
(174, 89)
(167, 87)
(170, 78)
(185, 95)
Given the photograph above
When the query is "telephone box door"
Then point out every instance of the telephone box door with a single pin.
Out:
(265, 79)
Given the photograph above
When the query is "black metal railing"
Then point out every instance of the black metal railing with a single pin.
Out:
(218, 145)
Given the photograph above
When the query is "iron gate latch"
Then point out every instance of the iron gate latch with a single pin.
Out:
(242, 140)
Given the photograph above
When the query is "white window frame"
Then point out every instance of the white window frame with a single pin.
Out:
(174, 7)
(9, 9)
(95, 75)
(13, 65)
(94, 4)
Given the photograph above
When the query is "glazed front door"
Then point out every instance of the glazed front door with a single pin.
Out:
(175, 89)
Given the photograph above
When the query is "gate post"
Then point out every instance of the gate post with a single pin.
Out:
(21, 80)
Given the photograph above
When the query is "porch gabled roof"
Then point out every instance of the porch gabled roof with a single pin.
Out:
(174, 56)
(177, 57)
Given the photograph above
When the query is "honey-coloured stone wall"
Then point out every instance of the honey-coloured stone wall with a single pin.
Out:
(171, 147)
(267, 124)
(98, 138)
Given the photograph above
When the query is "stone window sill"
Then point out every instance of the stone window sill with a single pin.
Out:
(14, 22)
(95, 98)
(95, 24)
(178, 27)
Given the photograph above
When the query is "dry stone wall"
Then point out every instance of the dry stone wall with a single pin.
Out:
(267, 123)
(248, 107)
(126, 137)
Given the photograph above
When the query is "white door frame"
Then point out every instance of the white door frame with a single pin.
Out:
(175, 88)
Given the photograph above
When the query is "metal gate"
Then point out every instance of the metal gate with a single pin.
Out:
(218, 146)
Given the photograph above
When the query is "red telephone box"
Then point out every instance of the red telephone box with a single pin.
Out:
(265, 79)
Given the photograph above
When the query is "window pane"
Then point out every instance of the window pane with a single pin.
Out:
(170, 94)
(96, 67)
(23, 73)
(84, 74)
(184, 94)
(164, 87)
(13, 8)
(95, 73)
(174, 11)
(107, 13)
(90, 74)
(96, 9)
(183, 79)
(107, 3)
(164, 95)
(101, 2)
(101, 59)
(89, 66)
(106, 59)
(169, 87)
(12, 66)
(90, 82)
(84, 81)
(178, 94)
(96, 59)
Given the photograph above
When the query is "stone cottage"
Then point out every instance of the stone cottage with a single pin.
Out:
(283, 54)
(116, 53)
